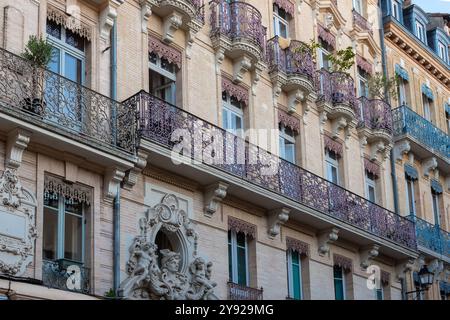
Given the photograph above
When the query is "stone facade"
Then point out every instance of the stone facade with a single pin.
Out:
(171, 237)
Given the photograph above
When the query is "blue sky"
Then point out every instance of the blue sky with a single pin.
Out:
(442, 6)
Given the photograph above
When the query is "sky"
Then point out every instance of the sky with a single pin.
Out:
(442, 6)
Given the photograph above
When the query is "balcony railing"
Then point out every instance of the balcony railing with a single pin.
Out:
(432, 236)
(336, 88)
(238, 21)
(296, 59)
(159, 120)
(408, 122)
(361, 22)
(239, 292)
(55, 102)
(375, 114)
(66, 275)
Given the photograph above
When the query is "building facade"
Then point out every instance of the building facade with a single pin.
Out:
(350, 203)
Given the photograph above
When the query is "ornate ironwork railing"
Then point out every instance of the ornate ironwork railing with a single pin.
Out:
(238, 20)
(431, 236)
(406, 121)
(375, 114)
(360, 21)
(336, 88)
(160, 122)
(55, 102)
(240, 292)
(66, 275)
(296, 59)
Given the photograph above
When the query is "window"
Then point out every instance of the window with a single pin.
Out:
(401, 91)
(427, 108)
(420, 31)
(323, 54)
(64, 221)
(363, 83)
(435, 202)
(232, 114)
(280, 22)
(396, 10)
(410, 201)
(238, 258)
(357, 5)
(379, 293)
(332, 166)
(447, 117)
(442, 52)
(287, 143)
(371, 187)
(163, 78)
(339, 283)
(294, 274)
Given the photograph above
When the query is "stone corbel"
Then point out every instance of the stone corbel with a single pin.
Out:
(403, 267)
(131, 176)
(325, 238)
(437, 267)
(377, 149)
(276, 93)
(368, 254)
(323, 119)
(170, 25)
(400, 149)
(294, 99)
(16, 144)
(107, 16)
(241, 66)
(363, 142)
(299, 6)
(146, 12)
(428, 165)
(256, 77)
(276, 218)
(213, 195)
(190, 39)
(111, 183)
(220, 56)
(338, 125)
(310, 101)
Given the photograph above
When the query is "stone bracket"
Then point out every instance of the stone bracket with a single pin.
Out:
(213, 195)
(368, 254)
(401, 148)
(325, 238)
(107, 16)
(276, 219)
(131, 176)
(403, 267)
(240, 67)
(294, 99)
(428, 165)
(146, 12)
(111, 183)
(170, 25)
(16, 144)
(338, 125)
(376, 150)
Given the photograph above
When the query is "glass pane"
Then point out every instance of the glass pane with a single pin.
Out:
(379, 294)
(242, 266)
(237, 122)
(283, 30)
(50, 237)
(334, 175)
(55, 63)
(53, 29)
(230, 258)
(153, 58)
(296, 280)
(290, 152)
(73, 238)
(72, 68)
(338, 283)
(74, 40)
(73, 206)
(372, 194)
(166, 65)
(225, 115)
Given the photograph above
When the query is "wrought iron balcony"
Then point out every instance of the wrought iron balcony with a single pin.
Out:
(158, 120)
(361, 23)
(409, 123)
(239, 292)
(431, 236)
(66, 275)
(241, 23)
(375, 115)
(56, 103)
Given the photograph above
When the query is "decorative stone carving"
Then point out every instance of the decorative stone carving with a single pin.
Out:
(376, 150)
(17, 227)
(298, 246)
(294, 99)
(111, 183)
(162, 273)
(17, 143)
(146, 12)
(401, 148)
(55, 186)
(325, 238)
(132, 175)
(276, 218)
(333, 145)
(288, 121)
(238, 225)
(107, 16)
(69, 22)
(214, 194)
(428, 165)
(240, 67)
(403, 267)
(170, 25)
(343, 262)
(368, 254)
(164, 51)
(239, 92)
(337, 125)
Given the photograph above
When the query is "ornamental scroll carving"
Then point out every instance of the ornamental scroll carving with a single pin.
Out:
(17, 227)
(69, 22)
(175, 273)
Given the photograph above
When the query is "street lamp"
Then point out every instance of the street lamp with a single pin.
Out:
(426, 278)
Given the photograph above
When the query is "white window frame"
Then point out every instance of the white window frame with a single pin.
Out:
(371, 183)
(321, 54)
(277, 20)
(426, 108)
(283, 138)
(234, 265)
(436, 207)
(358, 6)
(238, 112)
(401, 87)
(410, 197)
(172, 76)
(363, 80)
(442, 51)
(420, 30)
(331, 163)
(396, 10)
(291, 275)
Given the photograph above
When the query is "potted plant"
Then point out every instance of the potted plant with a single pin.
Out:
(39, 53)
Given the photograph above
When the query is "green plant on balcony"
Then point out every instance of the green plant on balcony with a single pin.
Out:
(342, 60)
(382, 87)
(39, 53)
(310, 47)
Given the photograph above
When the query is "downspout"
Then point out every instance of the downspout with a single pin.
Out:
(116, 208)
(386, 93)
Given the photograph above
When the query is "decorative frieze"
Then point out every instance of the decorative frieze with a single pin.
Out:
(333, 145)
(288, 120)
(56, 186)
(298, 246)
(286, 5)
(364, 64)
(238, 225)
(436, 186)
(69, 22)
(343, 262)
(164, 51)
(239, 92)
